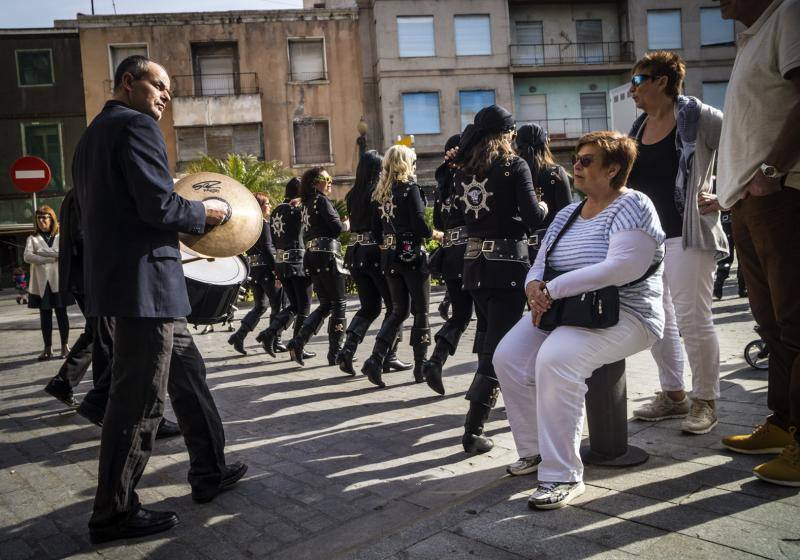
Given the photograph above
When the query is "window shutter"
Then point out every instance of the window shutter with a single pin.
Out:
(594, 112)
(311, 142)
(473, 101)
(421, 113)
(473, 35)
(191, 143)
(307, 60)
(533, 108)
(120, 53)
(415, 36)
(247, 140)
(529, 33)
(664, 29)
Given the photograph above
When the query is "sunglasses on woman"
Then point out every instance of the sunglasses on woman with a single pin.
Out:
(639, 79)
(323, 179)
(585, 161)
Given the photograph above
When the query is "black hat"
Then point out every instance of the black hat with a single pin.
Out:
(489, 120)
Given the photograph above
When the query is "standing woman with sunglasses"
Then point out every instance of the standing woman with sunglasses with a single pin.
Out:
(41, 252)
(677, 139)
(401, 227)
(323, 263)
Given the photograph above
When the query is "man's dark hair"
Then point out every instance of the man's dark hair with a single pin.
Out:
(136, 65)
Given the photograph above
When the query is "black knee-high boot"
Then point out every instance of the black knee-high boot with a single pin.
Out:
(392, 362)
(270, 336)
(420, 340)
(446, 343)
(303, 334)
(335, 336)
(355, 334)
(482, 396)
(237, 339)
(373, 365)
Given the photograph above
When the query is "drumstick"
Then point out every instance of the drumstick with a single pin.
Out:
(187, 261)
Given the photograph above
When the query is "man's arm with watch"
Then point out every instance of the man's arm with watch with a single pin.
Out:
(784, 154)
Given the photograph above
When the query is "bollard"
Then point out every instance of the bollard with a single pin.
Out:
(607, 416)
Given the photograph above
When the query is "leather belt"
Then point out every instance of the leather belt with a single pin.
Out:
(388, 241)
(324, 245)
(290, 255)
(256, 260)
(513, 250)
(361, 239)
(455, 236)
(535, 240)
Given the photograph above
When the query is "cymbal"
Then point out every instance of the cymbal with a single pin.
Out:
(242, 227)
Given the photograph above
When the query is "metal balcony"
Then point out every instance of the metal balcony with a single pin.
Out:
(570, 129)
(572, 54)
(214, 85)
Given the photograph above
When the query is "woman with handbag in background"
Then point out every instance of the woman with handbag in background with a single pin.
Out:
(41, 252)
(323, 263)
(448, 217)
(363, 260)
(613, 238)
(401, 227)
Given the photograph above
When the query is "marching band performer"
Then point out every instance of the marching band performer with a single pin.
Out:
(501, 209)
(404, 261)
(363, 260)
(448, 216)
(286, 224)
(323, 263)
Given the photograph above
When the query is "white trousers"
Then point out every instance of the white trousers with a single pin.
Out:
(688, 289)
(543, 379)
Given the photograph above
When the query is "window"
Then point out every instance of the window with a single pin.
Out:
(713, 29)
(473, 35)
(118, 53)
(471, 102)
(306, 60)
(533, 108)
(714, 94)
(530, 43)
(664, 29)
(421, 113)
(589, 33)
(35, 68)
(415, 36)
(216, 69)
(219, 141)
(593, 112)
(312, 142)
(44, 141)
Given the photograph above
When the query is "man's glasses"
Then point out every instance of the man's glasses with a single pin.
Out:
(585, 161)
(639, 79)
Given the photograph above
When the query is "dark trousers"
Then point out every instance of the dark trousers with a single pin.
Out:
(460, 304)
(410, 291)
(330, 290)
(264, 294)
(767, 235)
(80, 355)
(298, 292)
(724, 266)
(373, 294)
(46, 322)
(102, 351)
(153, 357)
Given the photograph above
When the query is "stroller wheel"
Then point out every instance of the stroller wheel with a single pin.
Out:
(756, 354)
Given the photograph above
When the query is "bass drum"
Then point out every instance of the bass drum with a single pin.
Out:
(213, 286)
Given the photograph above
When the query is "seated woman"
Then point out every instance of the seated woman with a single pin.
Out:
(615, 239)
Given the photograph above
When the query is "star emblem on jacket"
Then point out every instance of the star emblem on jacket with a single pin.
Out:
(476, 196)
(387, 210)
(277, 226)
(305, 219)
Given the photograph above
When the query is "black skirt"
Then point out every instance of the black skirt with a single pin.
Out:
(50, 299)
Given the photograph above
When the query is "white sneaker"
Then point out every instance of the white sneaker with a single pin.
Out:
(525, 465)
(554, 495)
(661, 408)
(701, 419)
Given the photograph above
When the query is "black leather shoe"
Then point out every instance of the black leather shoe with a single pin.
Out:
(267, 340)
(233, 473)
(141, 523)
(717, 290)
(167, 429)
(393, 363)
(92, 413)
(237, 342)
(307, 354)
(743, 292)
(345, 361)
(476, 443)
(61, 390)
(432, 372)
(296, 352)
(372, 369)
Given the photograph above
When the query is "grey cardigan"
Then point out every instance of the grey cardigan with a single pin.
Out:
(702, 232)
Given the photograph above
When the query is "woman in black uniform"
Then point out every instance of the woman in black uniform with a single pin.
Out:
(363, 260)
(448, 216)
(286, 225)
(501, 210)
(403, 259)
(550, 180)
(323, 263)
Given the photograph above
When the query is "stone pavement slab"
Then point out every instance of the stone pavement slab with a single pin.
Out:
(339, 469)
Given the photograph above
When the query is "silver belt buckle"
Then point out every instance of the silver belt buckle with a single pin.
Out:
(533, 240)
(454, 235)
(487, 246)
(359, 238)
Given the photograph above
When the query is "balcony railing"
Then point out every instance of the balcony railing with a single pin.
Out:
(312, 159)
(571, 129)
(208, 85)
(566, 54)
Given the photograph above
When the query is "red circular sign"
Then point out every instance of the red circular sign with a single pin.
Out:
(30, 174)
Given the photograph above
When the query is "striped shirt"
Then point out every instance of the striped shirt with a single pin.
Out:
(586, 242)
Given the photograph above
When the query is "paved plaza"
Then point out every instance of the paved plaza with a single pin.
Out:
(340, 469)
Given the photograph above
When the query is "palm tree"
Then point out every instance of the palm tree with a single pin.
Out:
(269, 177)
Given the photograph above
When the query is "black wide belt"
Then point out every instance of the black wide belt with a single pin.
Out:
(290, 255)
(512, 250)
(455, 236)
(361, 239)
(535, 240)
(389, 241)
(324, 245)
(256, 260)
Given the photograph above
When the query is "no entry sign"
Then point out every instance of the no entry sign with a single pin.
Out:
(30, 174)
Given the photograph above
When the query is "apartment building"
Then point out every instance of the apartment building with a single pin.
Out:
(279, 84)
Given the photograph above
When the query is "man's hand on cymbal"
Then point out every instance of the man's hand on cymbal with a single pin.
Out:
(216, 210)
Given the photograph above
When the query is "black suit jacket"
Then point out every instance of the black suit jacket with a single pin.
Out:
(131, 218)
(70, 247)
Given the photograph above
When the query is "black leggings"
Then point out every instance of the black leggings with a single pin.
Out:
(264, 294)
(461, 304)
(409, 289)
(373, 294)
(498, 311)
(298, 290)
(330, 290)
(46, 320)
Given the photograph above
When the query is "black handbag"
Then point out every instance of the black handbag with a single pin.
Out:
(597, 309)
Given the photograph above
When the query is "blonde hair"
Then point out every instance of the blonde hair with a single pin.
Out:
(486, 151)
(398, 166)
(42, 210)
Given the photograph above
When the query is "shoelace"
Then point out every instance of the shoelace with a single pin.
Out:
(548, 486)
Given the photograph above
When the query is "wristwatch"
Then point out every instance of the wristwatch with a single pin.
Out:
(770, 171)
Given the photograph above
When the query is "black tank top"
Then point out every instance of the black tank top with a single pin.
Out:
(654, 173)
